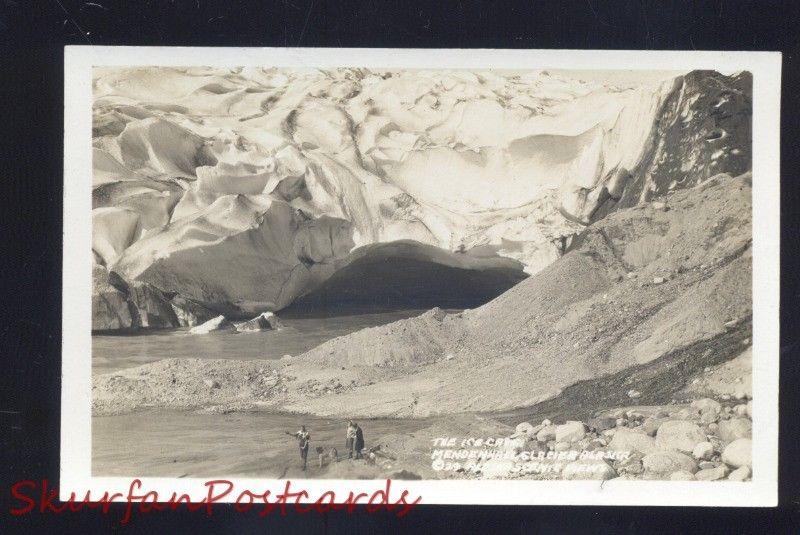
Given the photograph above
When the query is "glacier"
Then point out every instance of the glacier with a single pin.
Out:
(244, 190)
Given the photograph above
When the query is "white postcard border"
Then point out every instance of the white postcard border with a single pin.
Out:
(76, 388)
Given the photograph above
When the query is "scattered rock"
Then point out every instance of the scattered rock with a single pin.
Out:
(593, 469)
(602, 423)
(738, 453)
(651, 425)
(707, 405)
(730, 430)
(712, 474)
(524, 429)
(629, 440)
(571, 431)
(679, 435)
(666, 462)
(689, 413)
(740, 474)
(703, 451)
(561, 446)
(632, 465)
(547, 433)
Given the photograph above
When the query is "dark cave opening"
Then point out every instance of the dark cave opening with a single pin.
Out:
(388, 283)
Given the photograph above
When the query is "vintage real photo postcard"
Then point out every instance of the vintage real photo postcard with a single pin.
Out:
(523, 277)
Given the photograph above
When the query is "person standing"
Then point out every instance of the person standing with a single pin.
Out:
(359, 442)
(303, 440)
(350, 441)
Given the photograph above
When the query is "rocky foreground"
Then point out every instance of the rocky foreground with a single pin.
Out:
(703, 433)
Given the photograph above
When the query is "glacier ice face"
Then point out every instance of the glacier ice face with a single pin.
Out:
(244, 189)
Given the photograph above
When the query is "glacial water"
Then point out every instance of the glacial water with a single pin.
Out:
(115, 352)
(250, 444)
(169, 443)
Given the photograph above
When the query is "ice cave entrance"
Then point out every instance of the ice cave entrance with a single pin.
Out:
(408, 275)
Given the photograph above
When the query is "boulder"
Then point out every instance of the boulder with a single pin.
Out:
(216, 324)
(730, 430)
(547, 433)
(667, 462)
(687, 413)
(651, 425)
(633, 441)
(712, 474)
(707, 405)
(602, 423)
(703, 451)
(750, 409)
(632, 465)
(572, 431)
(592, 469)
(679, 435)
(738, 453)
(740, 474)
(266, 321)
(524, 429)
(561, 446)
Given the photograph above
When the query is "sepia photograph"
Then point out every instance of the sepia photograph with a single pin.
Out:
(540, 273)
